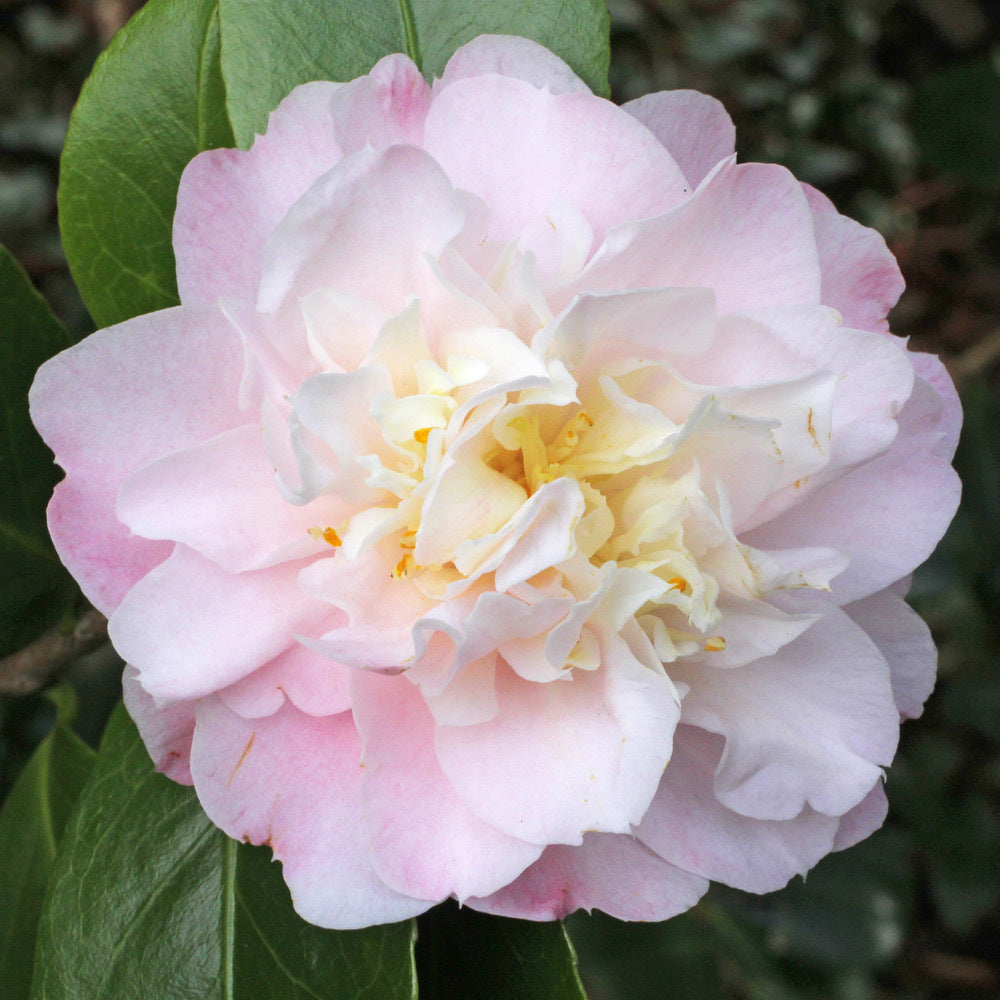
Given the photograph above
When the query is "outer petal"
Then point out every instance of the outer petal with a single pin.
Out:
(424, 840)
(888, 514)
(220, 499)
(230, 200)
(610, 872)
(864, 819)
(861, 278)
(746, 232)
(905, 641)
(363, 228)
(811, 725)
(385, 108)
(695, 128)
(121, 398)
(512, 56)
(292, 781)
(567, 756)
(688, 826)
(191, 628)
(520, 149)
(165, 728)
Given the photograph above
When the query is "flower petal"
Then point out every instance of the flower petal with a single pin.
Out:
(694, 128)
(802, 727)
(293, 781)
(905, 641)
(568, 756)
(190, 628)
(520, 149)
(688, 826)
(424, 840)
(123, 397)
(613, 873)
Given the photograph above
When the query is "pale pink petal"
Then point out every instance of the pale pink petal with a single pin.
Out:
(230, 200)
(568, 756)
(424, 840)
(121, 398)
(930, 368)
(520, 149)
(613, 873)
(802, 727)
(514, 57)
(220, 498)
(861, 278)
(654, 324)
(694, 128)
(747, 233)
(293, 781)
(864, 819)
(363, 228)
(905, 641)
(688, 826)
(190, 627)
(380, 611)
(888, 514)
(313, 683)
(385, 108)
(165, 727)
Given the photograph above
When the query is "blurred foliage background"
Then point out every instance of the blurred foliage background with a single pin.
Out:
(891, 107)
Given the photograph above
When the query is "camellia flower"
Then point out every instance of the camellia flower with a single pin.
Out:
(518, 506)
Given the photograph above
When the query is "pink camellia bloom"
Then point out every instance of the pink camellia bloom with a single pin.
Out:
(519, 504)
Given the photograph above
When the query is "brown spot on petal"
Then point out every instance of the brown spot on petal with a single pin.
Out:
(243, 757)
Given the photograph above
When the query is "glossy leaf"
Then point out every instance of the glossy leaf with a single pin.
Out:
(29, 569)
(148, 899)
(154, 100)
(576, 31)
(463, 953)
(31, 825)
(270, 48)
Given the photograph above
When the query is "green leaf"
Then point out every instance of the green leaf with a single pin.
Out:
(463, 953)
(576, 30)
(268, 49)
(148, 899)
(31, 825)
(29, 568)
(154, 100)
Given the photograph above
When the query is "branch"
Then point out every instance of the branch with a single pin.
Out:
(32, 668)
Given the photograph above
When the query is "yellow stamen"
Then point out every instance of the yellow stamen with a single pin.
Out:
(532, 450)
(327, 535)
(421, 436)
(405, 567)
(568, 436)
(716, 644)
(678, 583)
(409, 539)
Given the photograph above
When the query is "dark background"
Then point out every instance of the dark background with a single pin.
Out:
(893, 110)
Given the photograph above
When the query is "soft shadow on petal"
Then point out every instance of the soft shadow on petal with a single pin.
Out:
(424, 840)
(688, 826)
(812, 725)
(613, 873)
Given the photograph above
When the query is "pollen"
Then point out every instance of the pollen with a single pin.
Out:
(716, 644)
(678, 583)
(327, 535)
(421, 435)
(405, 568)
